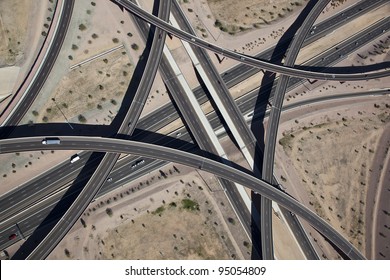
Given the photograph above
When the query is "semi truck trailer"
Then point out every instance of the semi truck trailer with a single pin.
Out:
(51, 141)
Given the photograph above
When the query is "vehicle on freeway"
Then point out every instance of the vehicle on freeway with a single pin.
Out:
(178, 134)
(74, 158)
(12, 236)
(138, 162)
(109, 179)
(129, 124)
(51, 141)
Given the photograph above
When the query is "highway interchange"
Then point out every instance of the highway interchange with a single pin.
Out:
(100, 177)
(110, 145)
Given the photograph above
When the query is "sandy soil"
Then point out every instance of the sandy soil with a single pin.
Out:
(377, 242)
(8, 76)
(13, 30)
(93, 90)
(20, 39)
(285, 245)
(151, 222)
(336, 183)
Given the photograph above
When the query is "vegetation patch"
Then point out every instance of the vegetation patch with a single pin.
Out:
(189, 204)
(159, 210)
(286, 141)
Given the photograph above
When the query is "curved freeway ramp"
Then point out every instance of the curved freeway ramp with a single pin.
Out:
(167, 154)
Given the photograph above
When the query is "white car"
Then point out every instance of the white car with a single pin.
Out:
(74, 158)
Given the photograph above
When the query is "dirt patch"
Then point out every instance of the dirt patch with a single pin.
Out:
(189, 239)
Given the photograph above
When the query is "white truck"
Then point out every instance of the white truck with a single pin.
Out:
(51, 141)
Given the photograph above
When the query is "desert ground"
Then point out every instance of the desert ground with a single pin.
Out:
(335, 180)
(83, 98)
(13, 32)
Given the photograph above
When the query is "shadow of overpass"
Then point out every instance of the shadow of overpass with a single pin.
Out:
(257, 126)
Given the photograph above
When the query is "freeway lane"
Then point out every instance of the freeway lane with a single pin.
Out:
(219, 86)
(281, 87)
(147, 79)
(196, 127)
(29, 220)
(331, 56)
(347, 76)
(167, 154)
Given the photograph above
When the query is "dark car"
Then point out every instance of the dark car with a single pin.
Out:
(12, 236)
